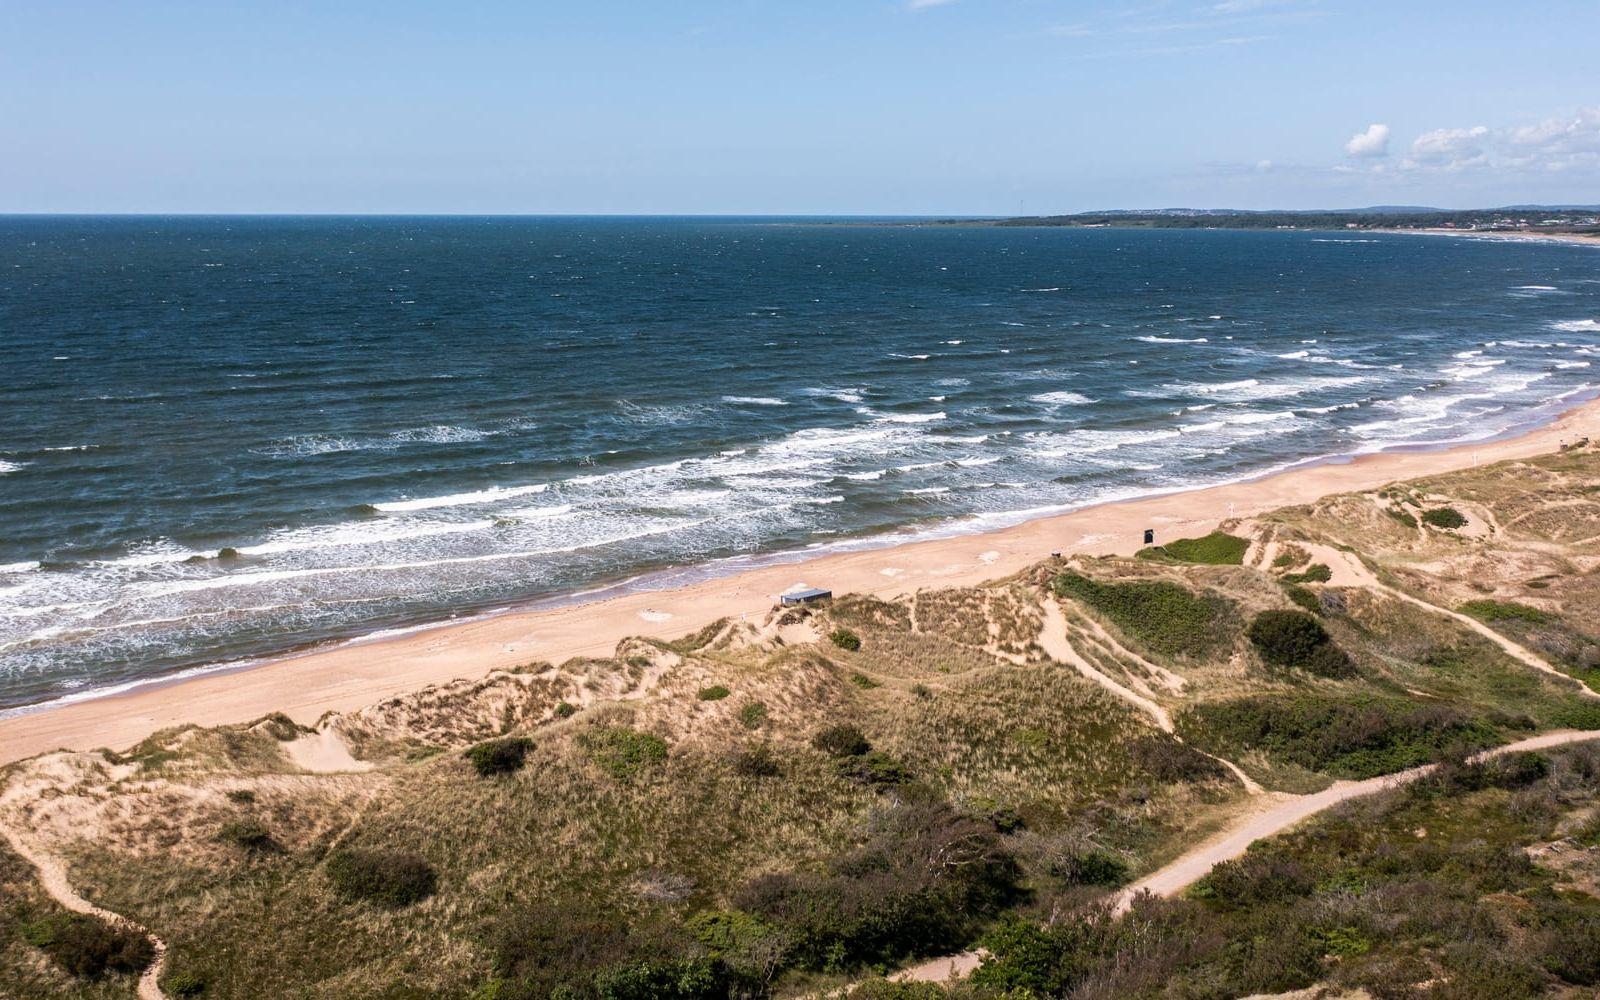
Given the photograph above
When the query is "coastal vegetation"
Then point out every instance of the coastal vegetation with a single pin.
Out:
(1216, 549)
(761, 809)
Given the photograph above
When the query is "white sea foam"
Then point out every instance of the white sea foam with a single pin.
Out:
(1062, 399)
(494, 494)
(1577, 326)
(9, 467)
(850, 395)
(355, 533)
(18, 567)
(1151, 339)
(906, 418)
(754, 400)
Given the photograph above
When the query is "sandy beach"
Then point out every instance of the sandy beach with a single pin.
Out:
(1498, 234)
(307, 685)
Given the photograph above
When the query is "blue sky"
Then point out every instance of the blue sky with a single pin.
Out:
(827, 107)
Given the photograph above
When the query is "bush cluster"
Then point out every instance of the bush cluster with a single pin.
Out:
(1354, 738)
(87, 946)
(1315, 573)
(757, 762)
(1168, 761)
(1160, 614)
(501, 756)
(923, 881)
(1490, 611)
(845, 639)
(246, 832)
(625, 753)
(843, 740)
(1305, 599)
(1444, 517)
(1216, 549)
(391, 879)
(753, 714)
(1295, 639)
(715, 692)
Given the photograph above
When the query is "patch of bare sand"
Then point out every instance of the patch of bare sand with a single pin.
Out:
(324, 752)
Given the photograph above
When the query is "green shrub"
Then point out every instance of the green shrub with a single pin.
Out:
(623, 752)
(715, 692)
(875, 769)
(845, 639)
(1405, 517)
(1162, 615)
(1295, 639)
(247, 832)
(87, 946)
(757, 762)
(753, 714)
(565, 710)
(1444, 517)
(1305, 599)
(392, 879)
(185, 984)
(1093, 867)
(863, 682)
(502, 756)
(1315, 573)
(242, 796)
(923, 881)
(1216, 549)
(1490, 611)
(841, 741)
(1169, 761)
(1255, 879)
(1348, 738)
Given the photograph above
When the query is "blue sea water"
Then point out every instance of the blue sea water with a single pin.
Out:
(395, 420)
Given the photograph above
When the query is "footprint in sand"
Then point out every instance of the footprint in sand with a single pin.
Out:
(891, 572)
(989, 558)
(655, 616)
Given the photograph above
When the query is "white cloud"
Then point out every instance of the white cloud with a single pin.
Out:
(1454, 148)
(1575, 135)
(1373, 142)
(925, 4)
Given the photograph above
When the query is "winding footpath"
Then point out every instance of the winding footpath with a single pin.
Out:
(53, 877)
(1278, 813)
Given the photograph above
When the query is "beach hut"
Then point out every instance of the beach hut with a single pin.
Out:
(795, 598)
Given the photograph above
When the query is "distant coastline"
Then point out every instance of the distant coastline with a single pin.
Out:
(1579, 223)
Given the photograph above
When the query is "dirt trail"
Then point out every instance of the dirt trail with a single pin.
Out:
(1279, 812)
(1273, 814)
(1350, 571)
(54, 880)
(1053, 640)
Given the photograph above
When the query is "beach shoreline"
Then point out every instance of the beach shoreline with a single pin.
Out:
(308, 684)
(1579, 239)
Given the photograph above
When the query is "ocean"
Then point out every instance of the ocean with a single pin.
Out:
(224, 438)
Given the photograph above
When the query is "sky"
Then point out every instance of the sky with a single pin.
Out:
(823, 107)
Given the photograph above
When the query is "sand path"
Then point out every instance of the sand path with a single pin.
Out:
(1348, 570)
(1053, 640)
(53, 877)
(1273, 814)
